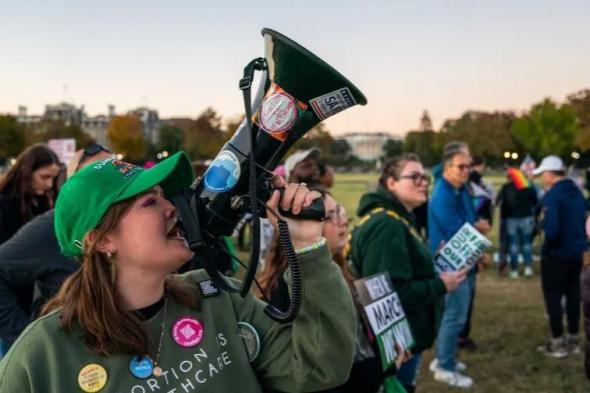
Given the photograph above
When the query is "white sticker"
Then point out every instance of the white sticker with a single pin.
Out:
(331, 103)
(278, 113)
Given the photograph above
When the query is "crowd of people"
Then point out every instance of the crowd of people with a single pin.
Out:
(90, 299)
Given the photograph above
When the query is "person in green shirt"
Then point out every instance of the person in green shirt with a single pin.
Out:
(385, 240)
(124, 324)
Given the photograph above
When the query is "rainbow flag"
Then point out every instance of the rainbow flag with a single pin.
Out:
(518, 178)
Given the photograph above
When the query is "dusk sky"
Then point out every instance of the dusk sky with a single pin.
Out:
(181, 56)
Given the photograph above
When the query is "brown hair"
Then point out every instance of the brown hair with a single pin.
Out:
(394, 167)
(276, 264)
(17, 181)
(89, 297)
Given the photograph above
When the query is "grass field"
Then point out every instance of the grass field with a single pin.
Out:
(508, 324)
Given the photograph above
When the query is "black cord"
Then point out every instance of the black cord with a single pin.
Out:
(243, 265)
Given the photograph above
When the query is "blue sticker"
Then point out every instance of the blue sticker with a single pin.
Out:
(224, 172)
(141, 368)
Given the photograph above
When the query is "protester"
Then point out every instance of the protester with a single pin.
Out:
(302, 167)
(28, 189)
(586, 303)
(482, 195)
(366, 373)
(481, 192)
(386, 241)
(32, 257)
(518, 199)
(121, 321)
(450, 207)
(326, 177)
(561, 255)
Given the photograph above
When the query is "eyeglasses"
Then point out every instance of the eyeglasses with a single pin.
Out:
(90, 151)
(463, 167)
(417, 178)
(337, 216)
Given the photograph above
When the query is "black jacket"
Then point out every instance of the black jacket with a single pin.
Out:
(11, 219)
(517, 203)
(564, 221)
(31, 256)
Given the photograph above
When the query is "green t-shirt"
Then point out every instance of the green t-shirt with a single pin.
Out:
(312, 353)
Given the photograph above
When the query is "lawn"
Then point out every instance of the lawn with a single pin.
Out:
(508, 324)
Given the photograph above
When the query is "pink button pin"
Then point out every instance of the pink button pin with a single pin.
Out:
(187, 332)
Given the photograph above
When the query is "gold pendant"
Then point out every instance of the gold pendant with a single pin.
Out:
(157, 371)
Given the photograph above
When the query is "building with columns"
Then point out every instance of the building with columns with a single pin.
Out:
(367, 146)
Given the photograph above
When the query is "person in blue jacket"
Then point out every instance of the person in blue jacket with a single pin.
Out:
(561, 255)
(449, 209)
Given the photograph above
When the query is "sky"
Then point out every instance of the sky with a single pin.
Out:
(180, 57)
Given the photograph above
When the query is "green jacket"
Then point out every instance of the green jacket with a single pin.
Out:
(312, 353)
(386, 241)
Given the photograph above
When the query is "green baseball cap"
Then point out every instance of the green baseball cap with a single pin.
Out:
(86, 196)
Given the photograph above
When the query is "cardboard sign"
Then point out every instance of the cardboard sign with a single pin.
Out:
(385, 315)
(462, 250)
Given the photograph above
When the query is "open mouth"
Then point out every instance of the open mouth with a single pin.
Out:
(175, 233)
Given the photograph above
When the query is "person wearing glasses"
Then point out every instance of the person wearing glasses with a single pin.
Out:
(335, 231)
(386, 241)
(123, 322)
(31, 257)
(365, 375)
(450, 208)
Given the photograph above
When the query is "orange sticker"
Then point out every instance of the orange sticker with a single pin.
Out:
(278, 112)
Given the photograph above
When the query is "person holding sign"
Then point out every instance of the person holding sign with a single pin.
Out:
(386, 241)
(449, 209)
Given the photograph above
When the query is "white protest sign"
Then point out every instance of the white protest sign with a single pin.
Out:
(462, 250)
(385, 315)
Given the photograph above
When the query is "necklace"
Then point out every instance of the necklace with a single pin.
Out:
(157, 371)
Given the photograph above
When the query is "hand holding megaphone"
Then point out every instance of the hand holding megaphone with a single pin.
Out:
(291, 201)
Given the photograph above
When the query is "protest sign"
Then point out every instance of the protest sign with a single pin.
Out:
(65, 148)
(385, 315)
(462, 250)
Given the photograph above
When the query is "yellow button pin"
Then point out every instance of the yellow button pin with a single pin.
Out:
(92, 378)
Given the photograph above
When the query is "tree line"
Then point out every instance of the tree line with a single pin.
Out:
(548, 127)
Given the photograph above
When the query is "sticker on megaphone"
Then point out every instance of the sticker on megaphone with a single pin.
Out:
(278, 113)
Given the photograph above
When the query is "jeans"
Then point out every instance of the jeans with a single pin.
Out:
(520, 233)
(561, 277)
(408, 372)
(467, 328)
(453, 321)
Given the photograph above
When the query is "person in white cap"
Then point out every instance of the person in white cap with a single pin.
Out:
(561, 254)
(302, 166)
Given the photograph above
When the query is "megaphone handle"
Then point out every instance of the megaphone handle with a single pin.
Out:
(315, 211)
